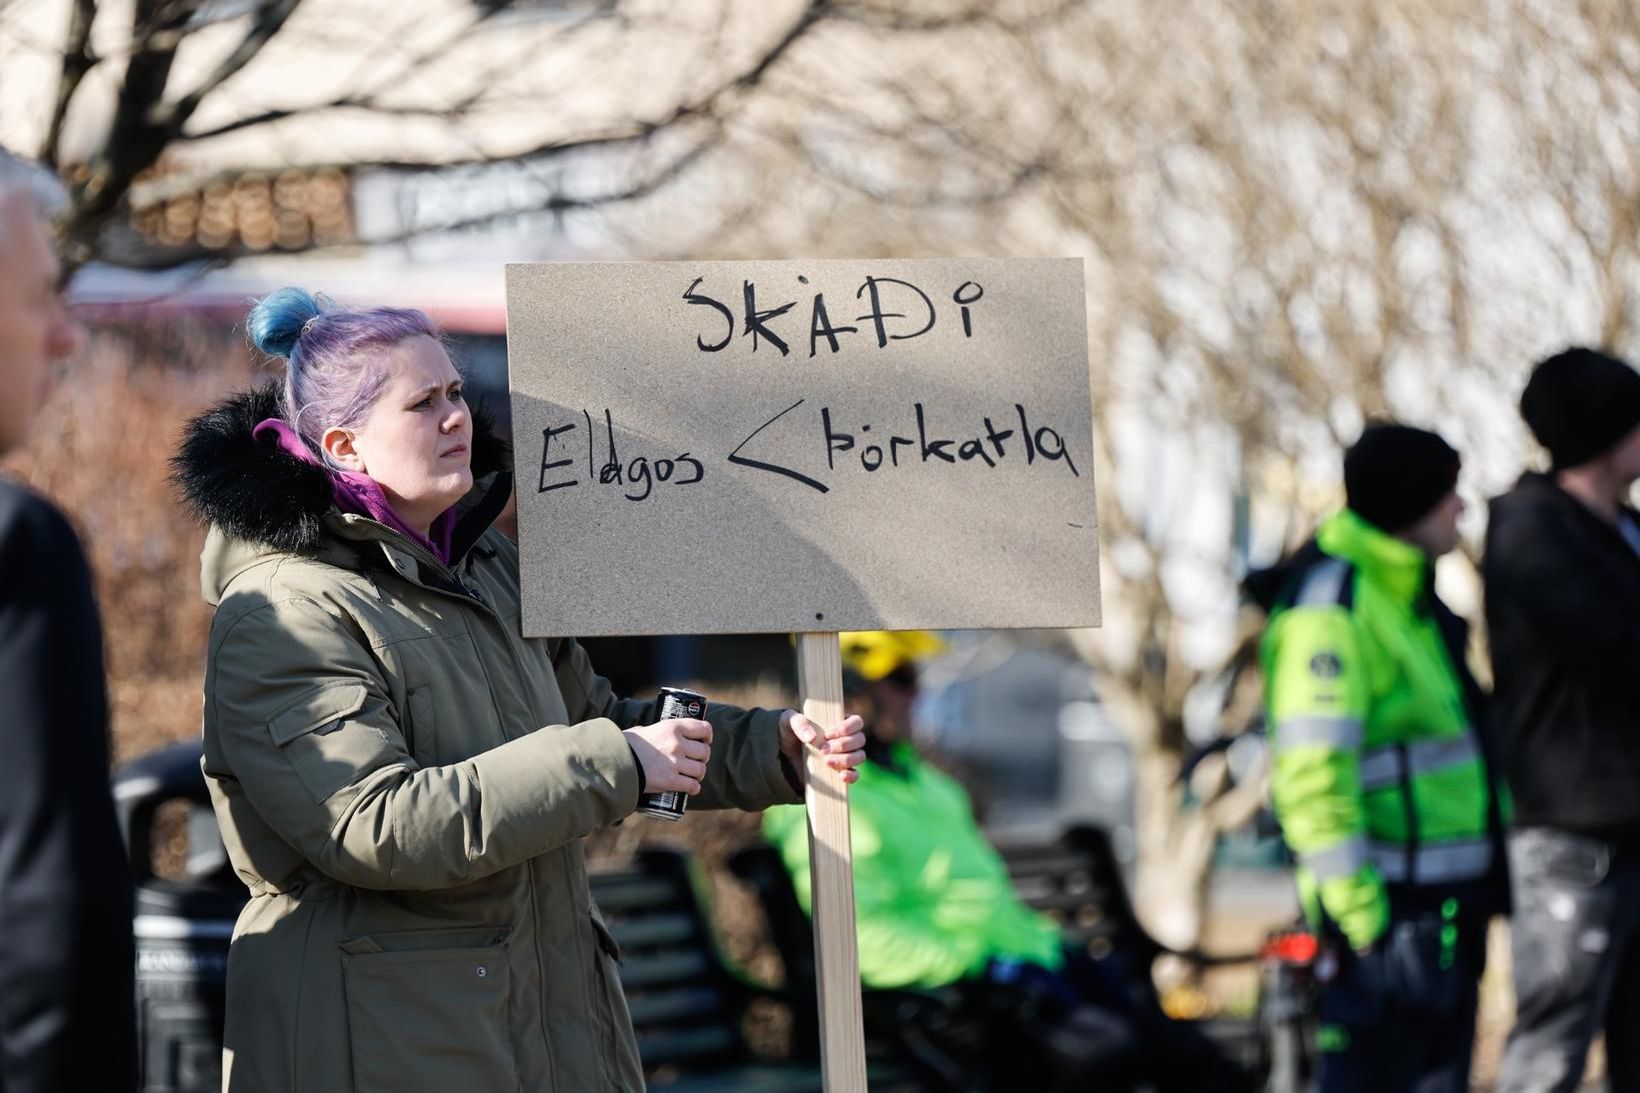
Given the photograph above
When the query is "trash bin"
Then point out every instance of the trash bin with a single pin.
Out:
(182, 924)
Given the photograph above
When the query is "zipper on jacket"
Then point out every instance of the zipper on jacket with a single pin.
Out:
(448, 580)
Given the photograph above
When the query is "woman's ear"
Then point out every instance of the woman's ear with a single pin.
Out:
(338, 445)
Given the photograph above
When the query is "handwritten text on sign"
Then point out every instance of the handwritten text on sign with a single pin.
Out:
(771, 446)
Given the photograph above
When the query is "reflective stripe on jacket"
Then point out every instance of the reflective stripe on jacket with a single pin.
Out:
(1378, 774)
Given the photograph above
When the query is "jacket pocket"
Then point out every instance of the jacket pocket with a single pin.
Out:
(1356, 997)
(315, 736)
(421, 728)
(614, 1018)
(1422, 971)
(606, 940)
(1559, 859)
(427, 1011)
(1412, 968)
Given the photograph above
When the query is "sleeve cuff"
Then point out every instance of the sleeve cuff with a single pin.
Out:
(606, 749)
(789, 772)
(643, 779)
(779, 787)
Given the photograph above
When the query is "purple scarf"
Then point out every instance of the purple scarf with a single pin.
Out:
(359, 493)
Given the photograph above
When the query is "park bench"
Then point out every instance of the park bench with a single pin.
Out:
(901, 1027)
(687, 1005)
(1075, 879)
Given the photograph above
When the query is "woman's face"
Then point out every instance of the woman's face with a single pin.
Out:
(416, 440)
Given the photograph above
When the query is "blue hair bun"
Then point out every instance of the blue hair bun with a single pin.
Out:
(275, 323)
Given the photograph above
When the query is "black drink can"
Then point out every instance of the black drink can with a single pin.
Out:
(674, 702)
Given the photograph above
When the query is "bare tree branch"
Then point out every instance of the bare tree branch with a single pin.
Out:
(270, 17)
(904, 20)
(636, 131)
(561, 202)
(365, 97)
(77, 61)
(144, 126)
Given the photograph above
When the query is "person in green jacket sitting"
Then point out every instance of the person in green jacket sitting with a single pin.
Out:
(935, 907)
(1380, 775)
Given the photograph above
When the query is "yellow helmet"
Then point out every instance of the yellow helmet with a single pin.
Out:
(873, 654)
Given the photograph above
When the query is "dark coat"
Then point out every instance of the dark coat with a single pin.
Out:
(1563, 606)
(66, 1021)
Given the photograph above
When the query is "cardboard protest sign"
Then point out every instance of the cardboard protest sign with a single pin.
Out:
(711, 447)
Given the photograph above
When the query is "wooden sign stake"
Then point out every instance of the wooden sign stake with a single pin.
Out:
(831, 873)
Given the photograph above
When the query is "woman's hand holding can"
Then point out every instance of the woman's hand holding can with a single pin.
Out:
(673, 753)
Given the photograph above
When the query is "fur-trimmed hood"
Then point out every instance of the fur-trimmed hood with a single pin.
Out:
(253, 491)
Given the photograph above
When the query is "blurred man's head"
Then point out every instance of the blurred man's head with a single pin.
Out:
(1404, 481)
(1584, 407)
(880, 677)
(35, 332)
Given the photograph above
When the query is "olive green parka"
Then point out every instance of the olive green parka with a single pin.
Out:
(403, 783)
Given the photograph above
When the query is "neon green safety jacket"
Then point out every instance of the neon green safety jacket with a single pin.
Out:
(933, 902)
(1379, 777)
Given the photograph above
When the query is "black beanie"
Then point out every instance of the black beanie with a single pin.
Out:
(1580, 403)
(1395, 474)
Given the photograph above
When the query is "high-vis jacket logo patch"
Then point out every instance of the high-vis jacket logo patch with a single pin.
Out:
(1326, 666)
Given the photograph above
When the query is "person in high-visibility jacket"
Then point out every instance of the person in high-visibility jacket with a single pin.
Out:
(935, 908)
(1380, 776)
(918, 926)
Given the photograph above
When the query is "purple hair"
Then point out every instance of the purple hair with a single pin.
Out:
(334, 371)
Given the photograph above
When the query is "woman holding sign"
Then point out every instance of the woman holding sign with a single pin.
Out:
(402, 780)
